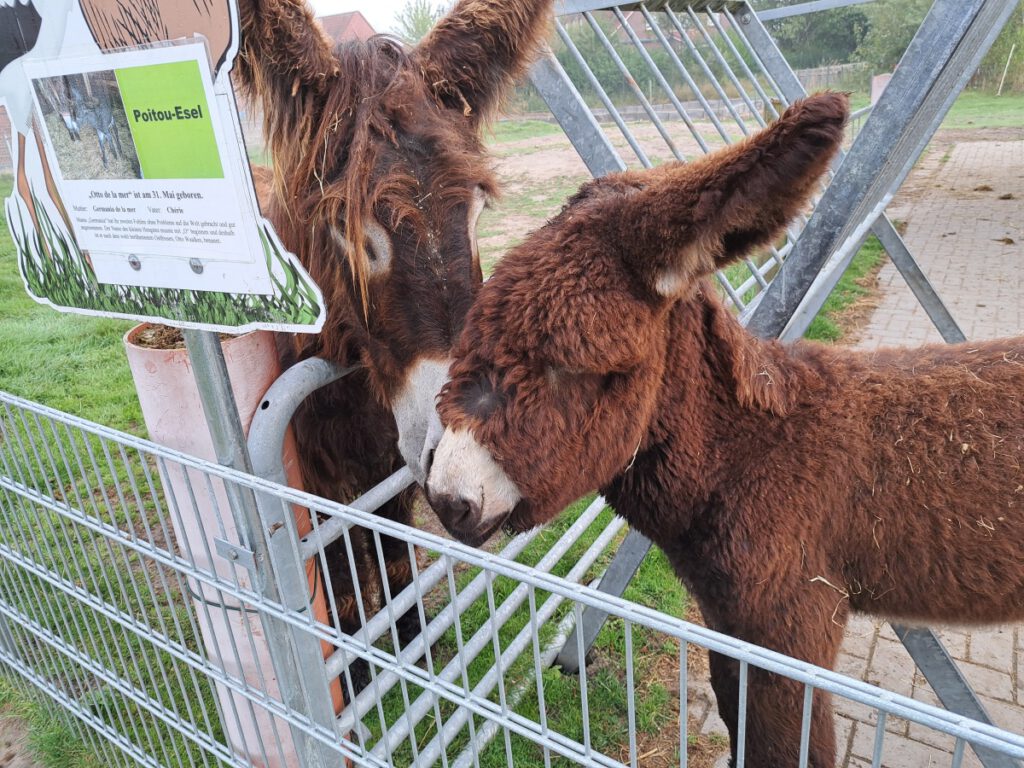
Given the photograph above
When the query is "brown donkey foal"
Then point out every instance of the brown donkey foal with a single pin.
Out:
(788, 484)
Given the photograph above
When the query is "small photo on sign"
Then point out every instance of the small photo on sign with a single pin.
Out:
(87, 125)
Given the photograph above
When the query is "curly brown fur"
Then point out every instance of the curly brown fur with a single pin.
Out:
(788, 484)
(362, 139)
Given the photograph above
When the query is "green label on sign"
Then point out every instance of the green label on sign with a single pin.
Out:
(170, 121)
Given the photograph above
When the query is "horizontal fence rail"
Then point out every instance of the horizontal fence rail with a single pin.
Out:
(113, 607)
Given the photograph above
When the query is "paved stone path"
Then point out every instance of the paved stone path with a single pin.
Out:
(959, 229)
(970, 243)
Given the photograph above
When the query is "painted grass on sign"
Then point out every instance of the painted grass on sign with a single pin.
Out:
(56, 269)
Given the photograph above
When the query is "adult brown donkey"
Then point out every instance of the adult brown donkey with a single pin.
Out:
(379, 176)
(788, 484)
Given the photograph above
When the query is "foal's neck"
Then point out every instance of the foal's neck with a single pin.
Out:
(723, 398)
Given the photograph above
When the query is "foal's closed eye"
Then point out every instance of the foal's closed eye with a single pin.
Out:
(561, 376)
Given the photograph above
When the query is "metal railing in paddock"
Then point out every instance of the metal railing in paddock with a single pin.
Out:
(108, 599)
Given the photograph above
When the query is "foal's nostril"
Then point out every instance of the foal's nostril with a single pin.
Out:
(429, 462)
(457, 513)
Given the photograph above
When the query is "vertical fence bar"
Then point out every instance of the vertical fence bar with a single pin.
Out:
(684, 717)
(805, 725)
(684, 35)
(297, 658)
(627, 77)
(602, 94)
(709, 41)
(876, 755)
(743, 65)
(662, 82)
(709, 113)
(630, 695)
(741, 717)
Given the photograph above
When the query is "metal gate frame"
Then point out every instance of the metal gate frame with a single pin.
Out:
(110, 696)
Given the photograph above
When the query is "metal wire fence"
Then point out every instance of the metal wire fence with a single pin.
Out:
(672, 84)
(127, 598)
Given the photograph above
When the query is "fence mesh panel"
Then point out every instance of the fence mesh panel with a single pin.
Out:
(127, 598)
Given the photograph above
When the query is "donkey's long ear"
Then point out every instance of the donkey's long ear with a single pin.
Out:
(692, 219)
(479, 49)
(284, 53)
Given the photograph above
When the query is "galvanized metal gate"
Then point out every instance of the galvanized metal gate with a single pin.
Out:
(109, 627)
(116, 629)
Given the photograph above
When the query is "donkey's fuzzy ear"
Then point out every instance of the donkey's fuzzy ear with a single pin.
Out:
(479, 49)
(691, 219)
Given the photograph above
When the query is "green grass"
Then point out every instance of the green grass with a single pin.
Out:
(70, 362)
(50, 740)
(517, 130)
(826, 327)
(979, 109)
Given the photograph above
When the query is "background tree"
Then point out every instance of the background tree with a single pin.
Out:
(891, 27)
(415, 19)
(816, 39)
(1011, 39)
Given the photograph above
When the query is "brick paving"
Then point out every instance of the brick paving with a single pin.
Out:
(958, 228)
(970, 243)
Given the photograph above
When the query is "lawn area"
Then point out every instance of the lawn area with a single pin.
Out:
(70, 362)
(517, 130)
(852, 287)
(979, 109)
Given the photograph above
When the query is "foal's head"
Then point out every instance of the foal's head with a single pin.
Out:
(380, 175)
(557, 371)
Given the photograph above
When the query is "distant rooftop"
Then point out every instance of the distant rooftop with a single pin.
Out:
(342, 27)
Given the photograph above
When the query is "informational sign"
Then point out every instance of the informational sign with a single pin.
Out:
(133, 195)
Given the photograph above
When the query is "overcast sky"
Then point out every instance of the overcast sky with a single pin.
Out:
(380, 13)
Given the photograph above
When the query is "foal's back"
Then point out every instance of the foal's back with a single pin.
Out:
(935, 440)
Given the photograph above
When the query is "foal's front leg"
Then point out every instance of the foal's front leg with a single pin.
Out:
(810, 629)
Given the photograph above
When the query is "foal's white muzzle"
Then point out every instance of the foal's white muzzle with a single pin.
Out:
(469, 491)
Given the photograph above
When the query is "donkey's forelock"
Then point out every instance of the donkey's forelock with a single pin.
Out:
(382, 144)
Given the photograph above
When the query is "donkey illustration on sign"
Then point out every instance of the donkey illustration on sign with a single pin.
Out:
(379, 176)
(788, 484)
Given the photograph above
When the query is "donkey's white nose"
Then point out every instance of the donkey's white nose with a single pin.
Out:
(473, 494)
(419, 426)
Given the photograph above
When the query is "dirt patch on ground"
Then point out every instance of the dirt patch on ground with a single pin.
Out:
(14, 750)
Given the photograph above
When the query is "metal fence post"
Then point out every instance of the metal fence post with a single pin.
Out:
(297, 656)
